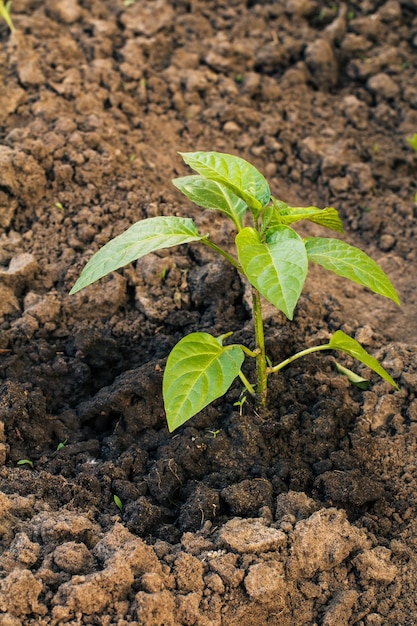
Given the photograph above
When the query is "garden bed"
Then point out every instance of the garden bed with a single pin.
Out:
(301, 514)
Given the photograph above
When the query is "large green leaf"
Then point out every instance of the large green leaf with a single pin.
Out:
(277, 268)
(143, 237)
(341, 341)
(198, 370)
(235, 173)
(210, 194)
(350, 262)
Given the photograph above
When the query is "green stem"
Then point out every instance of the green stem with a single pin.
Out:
(247, 384)
(260, 344)
(298, 355)
(252, 353)
(224, 254)
(5, 14)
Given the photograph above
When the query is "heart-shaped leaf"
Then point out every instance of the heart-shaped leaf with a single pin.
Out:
(242, 178)
(143, 237)
(277, 268)
(210, 194)
(198, 370)
(350, 262)
(341, 341)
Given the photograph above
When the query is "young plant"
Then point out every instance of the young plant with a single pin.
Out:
(269, 253)
(118, 503)
(25, 462)
(413, 143)
(5, 13)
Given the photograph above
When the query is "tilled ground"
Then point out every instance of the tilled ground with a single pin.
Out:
(304, 514)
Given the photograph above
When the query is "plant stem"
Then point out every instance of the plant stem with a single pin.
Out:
(225, 254)
(260, 344)
(246, 383)
(298, 355)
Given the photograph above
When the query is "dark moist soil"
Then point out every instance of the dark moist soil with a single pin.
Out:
(303, 514)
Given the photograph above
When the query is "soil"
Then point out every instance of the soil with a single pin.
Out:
(302, 514)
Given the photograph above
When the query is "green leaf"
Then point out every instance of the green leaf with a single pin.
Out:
(210, 194)
(341, 341)
(355, 379)
(118, 503)
(350, 262)
(25, 462)
(277, 268)
(143, 237)
(327, 217)
(413, 141)
(242, 178)
(5, 9)
(198, 370)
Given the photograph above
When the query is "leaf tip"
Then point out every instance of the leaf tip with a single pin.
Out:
(74, 289)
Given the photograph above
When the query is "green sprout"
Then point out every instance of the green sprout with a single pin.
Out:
(240, 403)
(118, 503)
(413, 141)
(5, 13)
(25, 462)
(268, 253)
(61, 445)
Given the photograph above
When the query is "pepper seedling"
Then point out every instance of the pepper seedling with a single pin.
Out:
(272, 256)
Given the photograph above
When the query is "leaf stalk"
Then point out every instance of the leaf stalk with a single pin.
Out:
(298, 355)
(224, 254)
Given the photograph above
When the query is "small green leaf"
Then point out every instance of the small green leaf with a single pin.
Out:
(341, 341)
(143, 237)
(355, 379)
(242, 178)
(198, 370)
(413, 141)
(277, 268)
(285, 214)
(210, 194)
(350, 262)
(25, 462)
(5, 9)
(118, 503)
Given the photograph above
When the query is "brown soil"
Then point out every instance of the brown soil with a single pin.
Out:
(303, 515)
